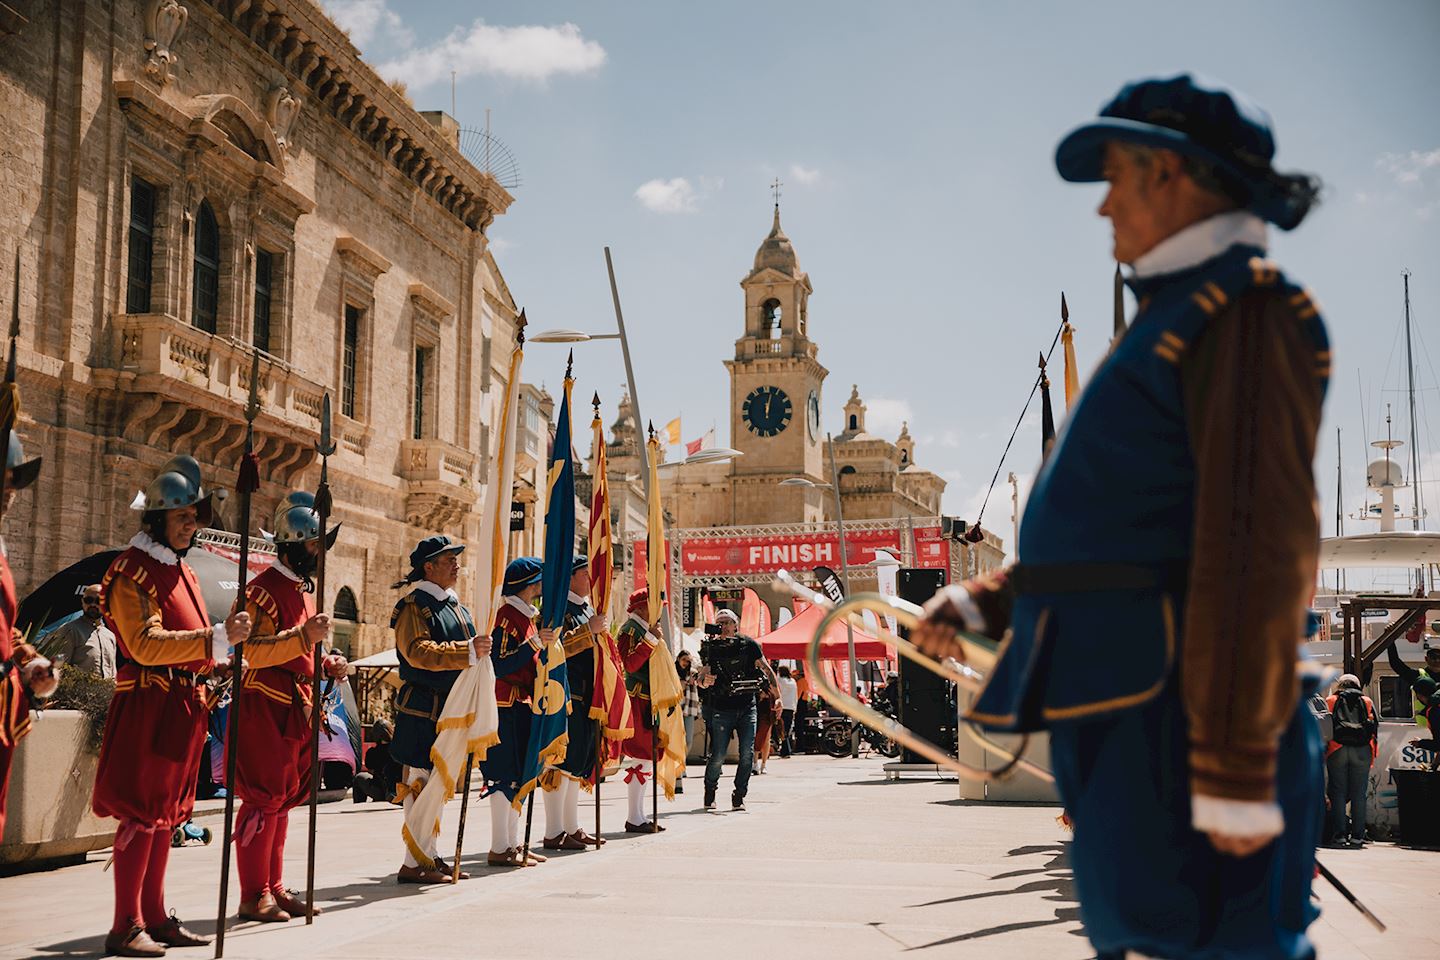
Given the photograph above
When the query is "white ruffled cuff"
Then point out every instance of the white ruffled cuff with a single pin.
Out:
(969, 609)
(219, 644)
(1236, 818)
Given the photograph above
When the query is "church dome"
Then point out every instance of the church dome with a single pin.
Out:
(776, 252)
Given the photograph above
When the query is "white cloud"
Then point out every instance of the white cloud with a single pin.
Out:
(363, 20)
(521, 53)
(805, 176)
(675, 195)
(1409, 168)
(499, 245)
(883, 416)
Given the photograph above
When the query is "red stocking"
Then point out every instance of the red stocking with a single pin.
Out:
(277, 851)
(252, 851)
(129, 869)
(152, 892)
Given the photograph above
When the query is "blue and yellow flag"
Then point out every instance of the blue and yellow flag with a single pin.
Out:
(550, 703)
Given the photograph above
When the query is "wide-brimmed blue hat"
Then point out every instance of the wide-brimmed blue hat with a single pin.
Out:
(521, 572)
(1200, 118)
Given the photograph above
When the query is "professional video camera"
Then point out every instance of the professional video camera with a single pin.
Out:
(725, 659)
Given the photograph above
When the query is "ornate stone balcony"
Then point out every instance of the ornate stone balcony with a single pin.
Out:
(439, 481)
(186, 390)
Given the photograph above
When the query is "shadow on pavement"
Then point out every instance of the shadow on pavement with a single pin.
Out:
(1058, 886)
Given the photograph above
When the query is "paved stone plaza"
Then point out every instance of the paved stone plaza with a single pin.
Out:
(830, 861)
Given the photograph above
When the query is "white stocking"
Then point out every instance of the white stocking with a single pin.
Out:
(499, 823)
(555, 810)
(514, 828)
(572, 805)
(639, 792)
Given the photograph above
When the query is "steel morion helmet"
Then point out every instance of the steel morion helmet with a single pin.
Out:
(177, 485)
(25, 470)
(297, 521)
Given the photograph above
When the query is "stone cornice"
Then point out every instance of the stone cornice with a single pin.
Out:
(430, 301)
(365, 259)
(317, 54)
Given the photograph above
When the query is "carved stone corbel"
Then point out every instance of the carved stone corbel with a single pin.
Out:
(281, 109)
(164, 20)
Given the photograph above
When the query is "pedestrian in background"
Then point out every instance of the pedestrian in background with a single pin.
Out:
(85, 643)
(767, 711)
(690, 708)
(1348, 758)
(789, 699)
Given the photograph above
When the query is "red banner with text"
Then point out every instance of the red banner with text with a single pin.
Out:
(741, 556)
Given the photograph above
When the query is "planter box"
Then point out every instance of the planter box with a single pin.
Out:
(48, 820)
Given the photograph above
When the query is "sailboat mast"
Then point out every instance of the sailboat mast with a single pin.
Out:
(1417, 498)
(1414, 438)
(1339, 504)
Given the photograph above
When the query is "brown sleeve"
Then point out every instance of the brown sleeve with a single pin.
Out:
(148, 643)
(1252, 403)
(267, 646)
(412, 639)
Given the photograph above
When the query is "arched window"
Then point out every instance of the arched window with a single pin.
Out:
(846, 470)
(206, 300)
(854, 422)
(904, 456)
(345, 606)
(770, 319)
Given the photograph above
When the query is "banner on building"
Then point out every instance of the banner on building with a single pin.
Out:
(740, 556)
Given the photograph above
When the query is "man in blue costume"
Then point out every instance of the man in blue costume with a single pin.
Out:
(562, 782)
(435, 639)
(517, 641)
(1169, 547)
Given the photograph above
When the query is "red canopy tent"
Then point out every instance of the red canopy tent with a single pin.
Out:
(789, 642)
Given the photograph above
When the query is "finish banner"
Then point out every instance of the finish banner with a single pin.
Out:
(759, 555)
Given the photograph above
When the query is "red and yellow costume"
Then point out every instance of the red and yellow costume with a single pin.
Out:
(155, 730)
(14, 700)
(272, 765)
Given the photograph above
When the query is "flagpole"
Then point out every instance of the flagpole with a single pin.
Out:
(10, 407)
(325, 447)
(247, 482)
(635, 403)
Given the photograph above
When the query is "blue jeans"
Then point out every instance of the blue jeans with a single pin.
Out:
(1349, 779)
(722, 724)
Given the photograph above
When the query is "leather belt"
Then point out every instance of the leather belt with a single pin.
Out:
(1092, 577)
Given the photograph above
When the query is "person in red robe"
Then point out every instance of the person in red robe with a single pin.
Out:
(155, 730)
(272, 765)
(24, 674)
(635, 640)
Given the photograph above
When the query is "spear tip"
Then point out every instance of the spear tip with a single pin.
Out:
(1064, 307)
(595, 402)
(570, 364)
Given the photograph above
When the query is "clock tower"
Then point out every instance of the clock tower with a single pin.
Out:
(775, 383)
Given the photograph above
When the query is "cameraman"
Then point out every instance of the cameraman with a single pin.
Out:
(734, 670)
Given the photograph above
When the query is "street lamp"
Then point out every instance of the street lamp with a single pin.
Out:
(834, 485)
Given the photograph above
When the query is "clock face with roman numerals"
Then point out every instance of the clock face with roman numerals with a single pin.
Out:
(767, 411)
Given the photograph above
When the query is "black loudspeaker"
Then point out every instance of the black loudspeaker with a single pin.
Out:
(927, 703)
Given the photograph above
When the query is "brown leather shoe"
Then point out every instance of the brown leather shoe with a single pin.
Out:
(647, 827)
(564, 841)
(173, 934)
(444, 868)
(263, 909)
(420, 875)
(290, 902)
(134, 942)
(586, 839)
(510, 858)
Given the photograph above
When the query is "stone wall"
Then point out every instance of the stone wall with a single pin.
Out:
(359, 199)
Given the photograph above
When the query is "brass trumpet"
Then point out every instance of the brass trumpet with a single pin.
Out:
(980, 657)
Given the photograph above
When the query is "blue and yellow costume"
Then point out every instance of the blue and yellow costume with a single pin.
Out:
(1168, 552)
(516, 642)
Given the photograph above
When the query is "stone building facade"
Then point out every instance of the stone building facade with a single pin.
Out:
(192, 182)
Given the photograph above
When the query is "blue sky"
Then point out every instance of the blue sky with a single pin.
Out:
(915, 143)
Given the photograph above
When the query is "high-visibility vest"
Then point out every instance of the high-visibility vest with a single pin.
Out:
(1418, 706)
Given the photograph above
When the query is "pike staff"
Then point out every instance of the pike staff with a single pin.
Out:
(9, 392)
(325, 447)
(246, 484)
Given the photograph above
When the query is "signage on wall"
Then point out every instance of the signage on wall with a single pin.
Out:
(517, 516)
